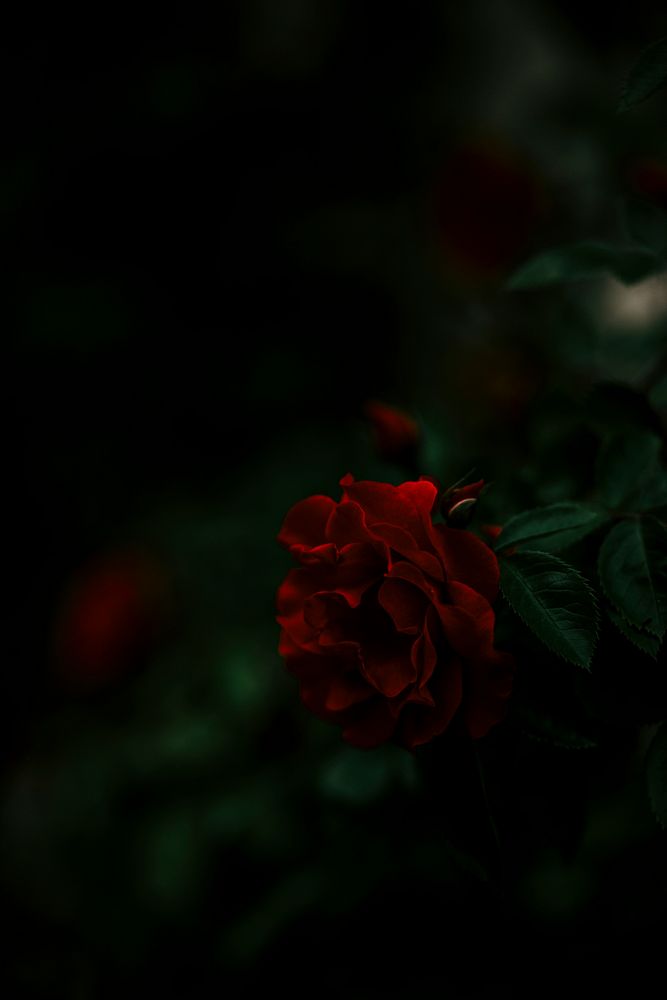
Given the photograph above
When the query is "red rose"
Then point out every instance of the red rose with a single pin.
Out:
(387, 623)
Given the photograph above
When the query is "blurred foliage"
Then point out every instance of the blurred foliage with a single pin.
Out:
(222, 238)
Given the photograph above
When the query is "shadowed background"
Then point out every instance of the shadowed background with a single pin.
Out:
(220, 239)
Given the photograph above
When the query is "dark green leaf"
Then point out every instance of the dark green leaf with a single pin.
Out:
(645, 224)
(628, 460)
(585, 260)
(656, 774)
(555, 601)
(649, 644)
(633, 572)
(551, 528)
(647, 75)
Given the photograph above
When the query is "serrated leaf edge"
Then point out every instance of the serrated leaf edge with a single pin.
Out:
(656, 635)
(632, 626)
(602, 513)
(593, 595)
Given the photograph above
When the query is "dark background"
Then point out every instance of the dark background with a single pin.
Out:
(221, 236)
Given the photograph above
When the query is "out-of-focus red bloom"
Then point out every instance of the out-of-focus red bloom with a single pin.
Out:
(489, 202)
(648, 178)
(109, 618)
(388, 622)
(395, 434)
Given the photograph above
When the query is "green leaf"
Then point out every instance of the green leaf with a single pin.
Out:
(552, 528)
(647, 75)
(555, 601)
(656, 774)
(645, 224)
(632, 566)
(649, 644)
(585, 260)
(627, 461)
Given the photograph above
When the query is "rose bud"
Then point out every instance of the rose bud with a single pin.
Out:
(109, 619)
(395, 434)
(387, 623)
(458, 504)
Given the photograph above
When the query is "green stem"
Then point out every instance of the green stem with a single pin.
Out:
(488, 811)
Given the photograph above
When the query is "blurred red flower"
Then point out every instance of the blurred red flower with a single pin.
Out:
(109, 618)
(395, 434)
(648, 178)
(489, 203)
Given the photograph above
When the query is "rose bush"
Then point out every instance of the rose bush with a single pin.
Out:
(388, 622)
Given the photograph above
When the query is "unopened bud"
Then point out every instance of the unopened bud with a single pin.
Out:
(458, 504)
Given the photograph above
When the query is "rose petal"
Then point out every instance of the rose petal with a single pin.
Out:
(305, 524)
(347, 524)
(388, 667)
(419, 724)
(320, 554)
(299, 585)
(404, 603)
(462, 631)
(327, 611)
(287, 647)
(412, 574)
(345, 690)
(424, 655)
(328, 683)
(333, 624)
(489, 685)
(467, 559)
(468, 624)
(407, 506)
(403, 543)
(469, 599)
(359, 567)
